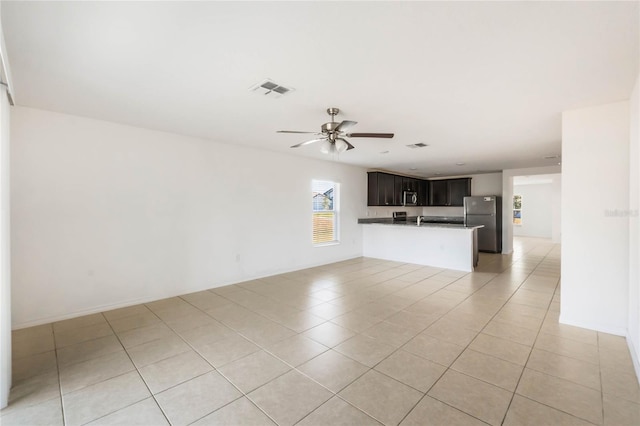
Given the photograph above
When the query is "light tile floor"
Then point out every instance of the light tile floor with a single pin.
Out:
(359, 342)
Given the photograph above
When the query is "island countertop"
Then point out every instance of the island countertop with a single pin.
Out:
(413, 222)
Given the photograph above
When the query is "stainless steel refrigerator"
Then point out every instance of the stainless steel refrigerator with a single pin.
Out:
(487, 211)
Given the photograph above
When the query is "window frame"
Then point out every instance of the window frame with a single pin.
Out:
(518, 210)
(335, 210)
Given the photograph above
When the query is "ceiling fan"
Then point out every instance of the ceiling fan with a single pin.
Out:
(333, 135)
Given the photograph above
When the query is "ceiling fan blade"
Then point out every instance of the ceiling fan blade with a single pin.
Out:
(296, 131)
(349, 146)
(308, 142)
(345, 125)
(370, 135)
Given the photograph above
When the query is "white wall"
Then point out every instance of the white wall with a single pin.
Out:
(633, 334)
(107, 215)
(556, 209)
(536, 210)
(486, 184)
(507, 196)
(595, 226)
(5, 252)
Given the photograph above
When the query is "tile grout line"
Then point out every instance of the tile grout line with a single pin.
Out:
(334, 394)
(534, 342)
(551, 375)
(261, 348)
(400, 347)
(449, 368)
(53, 333)
(139, 374)
(520, 377)
(292, 368)
(600, 376)
(242, 393)
(193, 348)
(469, 344)
(441, 316)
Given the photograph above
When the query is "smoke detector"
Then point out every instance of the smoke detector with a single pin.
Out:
(270, 89)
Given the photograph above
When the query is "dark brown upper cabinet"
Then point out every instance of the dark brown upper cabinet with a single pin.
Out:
(423, 192)
(381, 189)
(386, 189)
(438, 193)
(449, 192)
(397, 190)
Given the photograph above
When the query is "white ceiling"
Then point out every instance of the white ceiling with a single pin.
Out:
(483, 83)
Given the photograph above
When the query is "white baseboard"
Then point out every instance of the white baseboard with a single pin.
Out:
(131, 302)
(89, 311)
(634, 358)
(618, 331)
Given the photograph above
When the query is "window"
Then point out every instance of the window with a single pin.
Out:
(517, 209)
(325, 212)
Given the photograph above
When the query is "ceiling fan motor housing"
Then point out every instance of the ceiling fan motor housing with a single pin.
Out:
(329, 127)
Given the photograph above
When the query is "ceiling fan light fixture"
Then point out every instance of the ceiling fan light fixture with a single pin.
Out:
(327, 147)
(340, 145)
(336, 147)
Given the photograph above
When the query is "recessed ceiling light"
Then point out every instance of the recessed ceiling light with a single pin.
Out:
(460, 164)
(437, 173)
(413, 168)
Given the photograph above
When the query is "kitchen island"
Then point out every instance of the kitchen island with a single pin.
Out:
(450, 246)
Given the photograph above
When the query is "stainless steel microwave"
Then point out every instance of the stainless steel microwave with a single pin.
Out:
(410, 198)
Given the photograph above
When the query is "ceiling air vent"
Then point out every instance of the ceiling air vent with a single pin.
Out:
(270, 89)
(417, 145)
